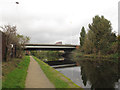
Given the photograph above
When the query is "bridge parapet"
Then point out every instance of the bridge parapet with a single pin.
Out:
(49, 47)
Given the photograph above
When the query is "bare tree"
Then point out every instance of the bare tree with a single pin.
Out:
(21, 44)
(10, 33)
(13, 41)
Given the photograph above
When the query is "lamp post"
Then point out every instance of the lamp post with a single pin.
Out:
(17, 2)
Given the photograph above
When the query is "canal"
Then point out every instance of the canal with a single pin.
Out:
(94, 74)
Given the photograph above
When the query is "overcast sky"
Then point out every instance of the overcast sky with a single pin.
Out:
(49, 21)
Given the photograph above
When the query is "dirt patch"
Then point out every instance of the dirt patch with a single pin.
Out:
(9, 66)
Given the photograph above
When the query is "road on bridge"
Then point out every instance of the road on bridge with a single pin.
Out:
(36, 77)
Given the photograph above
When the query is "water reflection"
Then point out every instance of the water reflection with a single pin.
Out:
(94, 74)
(100, 74)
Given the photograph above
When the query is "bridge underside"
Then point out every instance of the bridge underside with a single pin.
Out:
(50, 47)
(53, 49)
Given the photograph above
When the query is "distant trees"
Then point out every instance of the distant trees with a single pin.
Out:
(47, 55)
(99, 38)
(82, 36)
(13, 40)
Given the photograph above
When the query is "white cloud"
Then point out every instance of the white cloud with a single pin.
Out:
(48, 21)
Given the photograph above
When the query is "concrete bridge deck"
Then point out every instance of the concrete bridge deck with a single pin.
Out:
(50, 47)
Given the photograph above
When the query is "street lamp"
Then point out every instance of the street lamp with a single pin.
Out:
(17, 2)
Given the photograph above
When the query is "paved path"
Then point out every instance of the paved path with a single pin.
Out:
(35, 77)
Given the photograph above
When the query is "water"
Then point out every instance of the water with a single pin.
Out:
(74, 73)
(94, 74)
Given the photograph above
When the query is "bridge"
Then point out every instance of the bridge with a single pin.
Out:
(54, 47)
(50, 47)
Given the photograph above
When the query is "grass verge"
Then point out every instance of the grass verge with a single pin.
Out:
(58, 79)
(17, 77)
(9, 66)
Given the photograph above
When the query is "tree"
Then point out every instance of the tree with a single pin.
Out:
(13, 41)
(10, 34)
(21, 44)
(82, 36)
(101, 28)
(113, 37)
(88, 46)
(113, 48)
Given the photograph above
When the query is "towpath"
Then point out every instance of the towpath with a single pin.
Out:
(36, 77)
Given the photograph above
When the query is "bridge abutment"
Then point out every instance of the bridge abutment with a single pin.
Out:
(67, 55)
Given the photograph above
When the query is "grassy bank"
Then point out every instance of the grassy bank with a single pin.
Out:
(77, 55)
(93, 56)
(16, 78)
(58, 79)
(9, 66)
(112, 58)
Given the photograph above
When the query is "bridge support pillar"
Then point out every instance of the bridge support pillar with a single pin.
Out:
(67, 55)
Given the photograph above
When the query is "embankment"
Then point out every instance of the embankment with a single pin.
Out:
(16, 77)
(58, 79)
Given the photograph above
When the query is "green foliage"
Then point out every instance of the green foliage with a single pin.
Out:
(20, 45)
(100, 39)
(16, 78)
(15, 40)
(118, 38)
(47, 55)
(23, 39)
(114, 47)
(58, 79)
(101, 28)
(82, 36)
(88, 46)
(115, 55)
(76, 55)
(113, 37)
